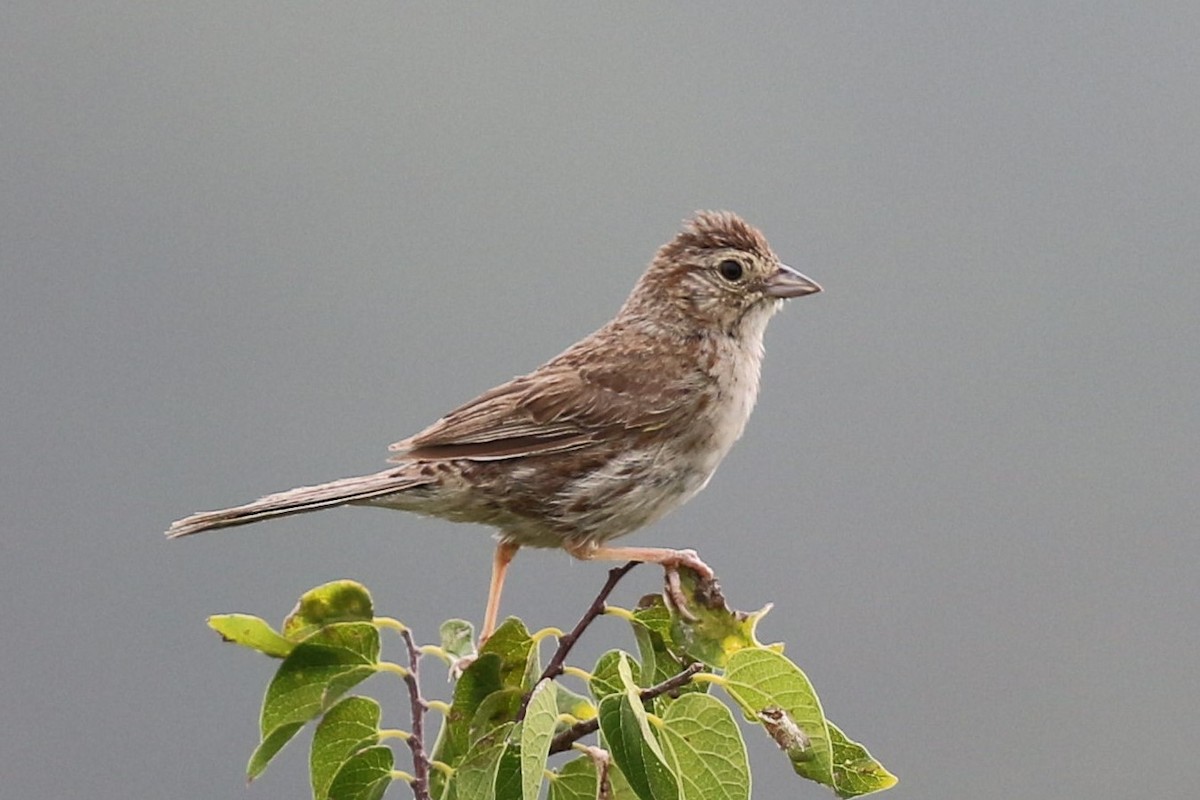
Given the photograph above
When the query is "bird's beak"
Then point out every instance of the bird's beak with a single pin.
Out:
(787, 282)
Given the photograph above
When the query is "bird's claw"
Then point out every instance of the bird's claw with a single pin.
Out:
(675, 598)
(674, 591)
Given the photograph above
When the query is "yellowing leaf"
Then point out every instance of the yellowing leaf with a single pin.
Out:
(250, 631)
(337, 601)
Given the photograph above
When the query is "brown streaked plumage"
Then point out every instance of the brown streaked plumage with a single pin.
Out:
(606, 437)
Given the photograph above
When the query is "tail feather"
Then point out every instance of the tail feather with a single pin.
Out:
(300, 500)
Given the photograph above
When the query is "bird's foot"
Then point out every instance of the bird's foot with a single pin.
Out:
(691, 560)
(675, 597)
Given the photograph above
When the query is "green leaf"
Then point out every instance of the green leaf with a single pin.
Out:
(606, 678)
(508, 771)
(348, 727)
(705, 748)
(511, 642)
(573, 703)
(312, 677)
(855, 772)
(579, 780)
(458, 638)
(537, 729)
(718, 632)
(338, 601)
(269, 746)
(652, 612)
(366, 775)
(765, 682)
(632, 743)
(478, 681)
(250, 631)
(656, 660)
(496, 709)
(619, 784)
(651, 629)
(575, 781)
(475, 777)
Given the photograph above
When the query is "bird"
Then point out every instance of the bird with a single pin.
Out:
(603, 439)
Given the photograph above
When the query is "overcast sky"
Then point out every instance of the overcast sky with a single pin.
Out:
(245, 246)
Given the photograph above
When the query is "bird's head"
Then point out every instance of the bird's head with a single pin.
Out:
(717, 274)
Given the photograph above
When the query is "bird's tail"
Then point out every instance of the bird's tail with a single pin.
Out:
(302, 499)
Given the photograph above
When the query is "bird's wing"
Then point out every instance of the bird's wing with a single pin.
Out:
(559, 407)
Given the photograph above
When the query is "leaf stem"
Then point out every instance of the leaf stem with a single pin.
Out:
(623, 613)
(435, 650)
(576, 672)
(390, 622)
(544, 632)
(708, 677)
(388, 666)
(440, 706)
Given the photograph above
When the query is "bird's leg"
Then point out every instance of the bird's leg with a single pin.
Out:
(670, 560)
(505, 552)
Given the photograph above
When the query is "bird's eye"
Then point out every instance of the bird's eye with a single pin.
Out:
(730, 270)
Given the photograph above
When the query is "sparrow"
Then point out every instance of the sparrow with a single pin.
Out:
(605, 438)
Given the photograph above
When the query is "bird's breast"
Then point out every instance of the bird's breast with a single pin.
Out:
(734, 384)
(667, 467)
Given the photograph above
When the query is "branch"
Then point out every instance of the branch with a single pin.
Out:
(564, 740)
(566, 642)
(420, 781)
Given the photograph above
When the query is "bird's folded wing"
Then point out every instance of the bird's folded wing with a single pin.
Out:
(551, 410)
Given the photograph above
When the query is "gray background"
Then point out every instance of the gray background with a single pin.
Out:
(246, 246)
